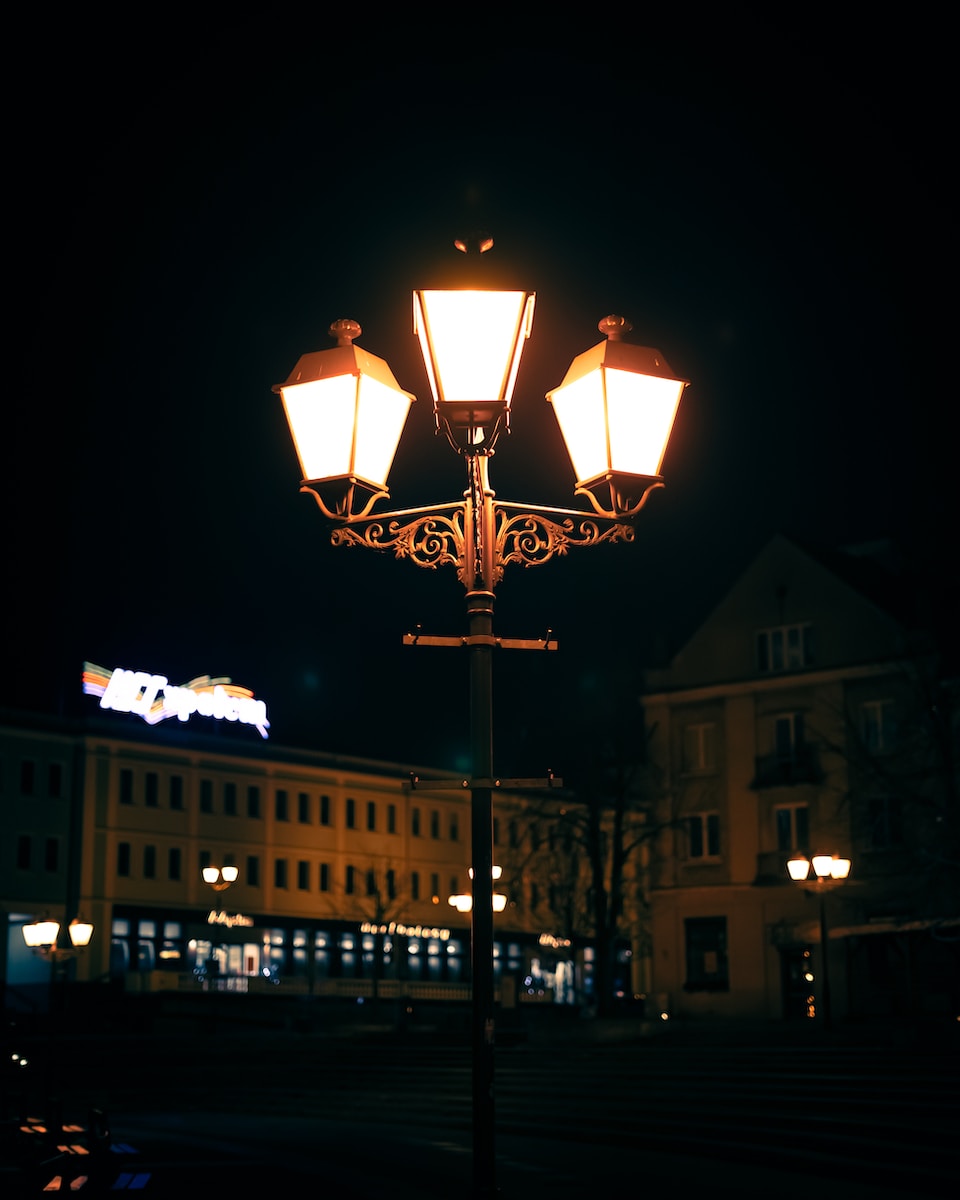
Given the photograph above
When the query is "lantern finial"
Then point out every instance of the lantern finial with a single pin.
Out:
(613, 328)
(344, 332)
(478, 242)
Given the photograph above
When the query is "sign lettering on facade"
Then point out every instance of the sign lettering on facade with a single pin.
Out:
(153, 698)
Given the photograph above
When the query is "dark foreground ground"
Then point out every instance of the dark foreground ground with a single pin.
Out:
(349, 1106)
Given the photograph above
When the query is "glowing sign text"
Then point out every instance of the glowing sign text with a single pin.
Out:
(231, 920)
(154, 699)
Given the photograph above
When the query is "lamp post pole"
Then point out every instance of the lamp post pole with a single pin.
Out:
(616, 407)
(829, 871)
(824, 958)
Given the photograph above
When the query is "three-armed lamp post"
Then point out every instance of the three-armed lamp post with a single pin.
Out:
(829, 870)
(615, 406)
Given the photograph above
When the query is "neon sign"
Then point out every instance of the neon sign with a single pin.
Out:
(231, 920)
(154, 699)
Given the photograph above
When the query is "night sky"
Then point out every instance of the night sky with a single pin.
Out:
(193, 209)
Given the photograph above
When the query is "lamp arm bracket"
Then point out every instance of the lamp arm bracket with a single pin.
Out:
(431, 539)
(532, 535)
(436, 535)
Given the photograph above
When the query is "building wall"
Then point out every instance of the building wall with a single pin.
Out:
(135, 816)
(748, 777)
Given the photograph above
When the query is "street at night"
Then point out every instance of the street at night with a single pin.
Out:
(368, 1113)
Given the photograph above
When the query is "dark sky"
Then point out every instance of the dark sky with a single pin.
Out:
(193, 209)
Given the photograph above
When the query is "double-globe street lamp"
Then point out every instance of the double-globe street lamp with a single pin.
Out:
(615, 406)
(829, 871)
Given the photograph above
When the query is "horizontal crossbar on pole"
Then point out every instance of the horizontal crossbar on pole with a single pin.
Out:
(513, 785)
(422, 639)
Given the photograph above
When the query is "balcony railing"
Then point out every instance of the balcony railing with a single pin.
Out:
(802, 765)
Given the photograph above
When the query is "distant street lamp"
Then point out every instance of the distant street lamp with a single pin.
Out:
(615, 406)
(220, 878)
(43, 938)
(829, 871)
(463, 903)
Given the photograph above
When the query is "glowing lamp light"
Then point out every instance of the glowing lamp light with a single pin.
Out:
(220, 878)
(39, 934)
(495, 872)
(471, 343)
(346, 413)
(80, 932)
(464, 903)
(825, 866)
(616, 407)
(798, 868)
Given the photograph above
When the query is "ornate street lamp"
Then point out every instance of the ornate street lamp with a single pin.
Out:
(829, 870)
(43, 938)
(616, 407)
(463, 902)
(220, 878)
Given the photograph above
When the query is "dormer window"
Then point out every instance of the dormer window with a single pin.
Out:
(785, 648)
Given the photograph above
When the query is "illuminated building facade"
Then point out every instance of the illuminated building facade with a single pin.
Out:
(344, 869)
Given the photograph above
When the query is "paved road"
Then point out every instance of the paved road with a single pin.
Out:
(374, 1117)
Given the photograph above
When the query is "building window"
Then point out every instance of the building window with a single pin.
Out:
(280, 805)
(206, 795)
(149, 862)
(371, 883)
(126, 785)
(454, 827)
(230, 799)
(174, 863)
(877, 726)
(391, 884)
(885, 822)
(792, 827)
(303, 808)
(349, 882)
(51, 854)
(415, 822)
(55, 781)
(151, 789)
(371, 816)
(324, 877)
(253, 801)
(351, 813)
(324, 810)
(700, 747)
(24, 851)
(435, 824)
(706, 949)
(280, 872)
(788, 737)
(434, 886)
(303, 875)
(28, 777)
(391, 818)
(253, 870)
(703, 835)
(785, 648)
(176, 792)
(414, 885)
(123, 858)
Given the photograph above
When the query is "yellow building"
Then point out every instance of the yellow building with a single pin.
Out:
(344, 868)
(801, 717)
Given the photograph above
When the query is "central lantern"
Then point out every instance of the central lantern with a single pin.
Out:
(471, 343)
